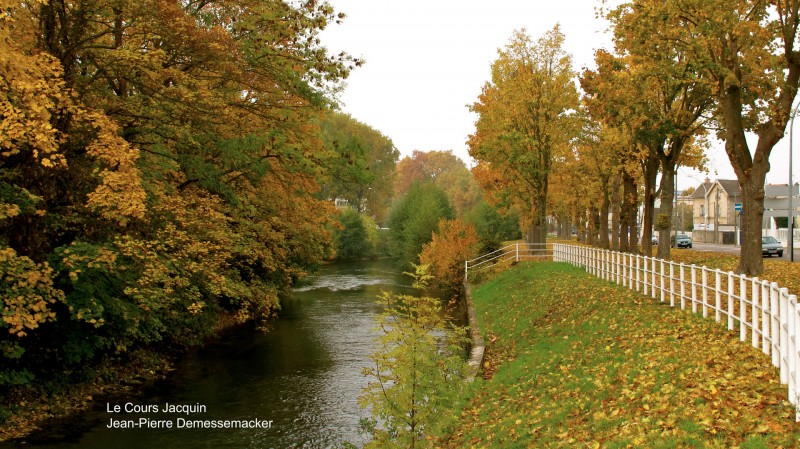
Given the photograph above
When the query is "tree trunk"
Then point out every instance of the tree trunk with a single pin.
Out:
(537, 231)
(650, 173)
(627, 241)
(615, 212)
(603, 218)
(665, 214)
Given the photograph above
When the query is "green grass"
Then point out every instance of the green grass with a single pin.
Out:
(576, 361)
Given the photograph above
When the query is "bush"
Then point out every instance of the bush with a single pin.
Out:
(414, 218)
(493, 227)
(416, 371)
(353, 237)
(452, 244)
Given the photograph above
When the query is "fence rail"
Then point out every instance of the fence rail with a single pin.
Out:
(763, 312)
(514, 252)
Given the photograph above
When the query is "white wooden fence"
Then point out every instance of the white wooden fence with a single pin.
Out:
(514, 252)
(762, 312)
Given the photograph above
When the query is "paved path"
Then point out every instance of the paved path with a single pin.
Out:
(733, 249)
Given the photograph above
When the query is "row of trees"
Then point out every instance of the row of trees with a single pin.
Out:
(681, 71)
(160, 166)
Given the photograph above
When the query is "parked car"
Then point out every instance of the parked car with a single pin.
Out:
(681, 241)
(654, 239)
(770, 246)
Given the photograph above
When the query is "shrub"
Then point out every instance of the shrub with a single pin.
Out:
(452, 244)
(414, 218)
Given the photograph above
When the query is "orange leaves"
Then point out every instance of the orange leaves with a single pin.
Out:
(31, 92)
(28, 293)
(452, 244)
(120, 195)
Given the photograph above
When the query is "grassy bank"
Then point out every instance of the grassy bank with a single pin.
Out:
(574, 361)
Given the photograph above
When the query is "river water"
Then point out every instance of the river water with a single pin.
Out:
(304, 375)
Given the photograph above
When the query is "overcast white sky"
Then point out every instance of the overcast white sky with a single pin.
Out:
(426, 60)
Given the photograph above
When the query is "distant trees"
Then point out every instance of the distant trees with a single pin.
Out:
(446, 171)
(361, 165)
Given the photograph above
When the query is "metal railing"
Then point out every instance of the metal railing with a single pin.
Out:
(514, 252)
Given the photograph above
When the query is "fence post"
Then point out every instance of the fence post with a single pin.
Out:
(624, 268)
(742, 308)
(638, 272)
(766, 339)
(717, 294)
(783, 297)
(682, 289)
(466, 270)
(671, 284)
(694, 288)
(705, 292)
(730, 300)
(792, 350)
(776, 324)
(517, 248)
(756, 302)
(644, 273)
(662, 280)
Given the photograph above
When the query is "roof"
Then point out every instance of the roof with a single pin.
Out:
(731, 186)
(779, 190)
(701, 190)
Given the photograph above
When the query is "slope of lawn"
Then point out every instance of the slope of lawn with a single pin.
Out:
(575, 361)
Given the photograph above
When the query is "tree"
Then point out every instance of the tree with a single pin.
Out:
(453, 242)
(352, 240)
(746, 49)
(361, 167)
(492, 226)
(443, 169)
(162, 160)
(416, 370)
(681, 95)
(614, 99)
(525, 120)
(414, 218)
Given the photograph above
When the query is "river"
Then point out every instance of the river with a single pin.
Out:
(303, 375)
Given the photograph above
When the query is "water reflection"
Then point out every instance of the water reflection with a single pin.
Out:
(304, 374)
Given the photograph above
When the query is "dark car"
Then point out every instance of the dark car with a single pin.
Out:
(770, 246)
(681, 241)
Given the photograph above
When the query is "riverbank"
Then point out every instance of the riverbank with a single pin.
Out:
(48, 408)
(35, 409)
(576, 361)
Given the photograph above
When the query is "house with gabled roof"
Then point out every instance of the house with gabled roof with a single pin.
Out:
(715, 216)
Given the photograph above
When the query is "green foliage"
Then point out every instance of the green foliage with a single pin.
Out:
(417, 369)
(352, 238)
(492, 227)
(147, 190)
(414, 218)
(361, 164)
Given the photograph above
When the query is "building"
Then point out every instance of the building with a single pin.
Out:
(715, 217)
(776, 205)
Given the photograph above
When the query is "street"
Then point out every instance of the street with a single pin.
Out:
(733, 249)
